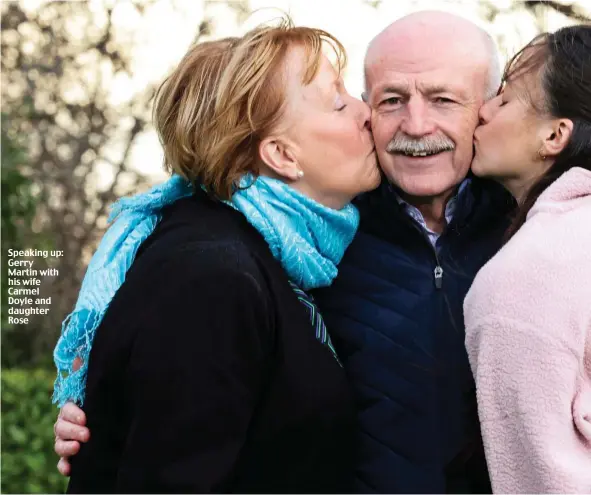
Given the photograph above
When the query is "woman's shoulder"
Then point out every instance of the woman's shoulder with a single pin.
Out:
(549, 241)
(183, 270)
(203, 219)
(197, 240)
(189, 290)
(543, 266)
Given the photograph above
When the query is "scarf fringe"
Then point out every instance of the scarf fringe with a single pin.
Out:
(134, 219)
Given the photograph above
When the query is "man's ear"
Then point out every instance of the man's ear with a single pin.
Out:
(557, 137)
(279, 156)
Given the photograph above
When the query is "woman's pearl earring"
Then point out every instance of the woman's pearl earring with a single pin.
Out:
(300, 174)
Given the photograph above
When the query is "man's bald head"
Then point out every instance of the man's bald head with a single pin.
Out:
(437, 32)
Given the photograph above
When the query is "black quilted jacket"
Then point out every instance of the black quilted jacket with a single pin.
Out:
(395, 316)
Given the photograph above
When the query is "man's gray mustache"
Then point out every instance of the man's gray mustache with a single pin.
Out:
(407, 145)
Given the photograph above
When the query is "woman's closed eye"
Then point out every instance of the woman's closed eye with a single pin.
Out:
(502, 97)
(340, 105)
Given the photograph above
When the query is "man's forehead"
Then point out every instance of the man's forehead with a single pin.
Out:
(428, 73)
(444, 79)
(420, 57)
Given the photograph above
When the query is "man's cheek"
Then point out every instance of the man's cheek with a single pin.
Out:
(373, 117)
(382, 127)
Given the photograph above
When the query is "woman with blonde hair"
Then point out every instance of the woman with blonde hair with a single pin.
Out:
(205, 365)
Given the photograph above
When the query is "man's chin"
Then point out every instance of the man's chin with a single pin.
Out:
(427, 192)
(433, 180)
(424, 186)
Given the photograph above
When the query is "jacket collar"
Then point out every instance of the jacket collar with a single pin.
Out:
(480, 203)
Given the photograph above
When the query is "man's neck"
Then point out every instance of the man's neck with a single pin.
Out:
(432, 208)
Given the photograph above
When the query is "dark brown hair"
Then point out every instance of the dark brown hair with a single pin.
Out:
(563, 62)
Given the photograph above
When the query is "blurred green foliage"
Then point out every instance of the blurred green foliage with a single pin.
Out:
(18, 202)
(18, 208)
(28, 460)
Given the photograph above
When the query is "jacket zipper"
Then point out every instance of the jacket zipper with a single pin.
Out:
(438, 271)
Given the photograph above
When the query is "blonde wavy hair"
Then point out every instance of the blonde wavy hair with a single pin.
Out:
(225, 96)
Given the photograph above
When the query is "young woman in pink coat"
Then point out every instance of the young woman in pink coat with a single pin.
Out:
(528, 313)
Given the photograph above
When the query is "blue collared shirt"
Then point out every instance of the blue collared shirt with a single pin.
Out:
(417, 216)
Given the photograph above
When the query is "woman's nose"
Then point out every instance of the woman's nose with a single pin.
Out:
(485, 112)
(365, 115)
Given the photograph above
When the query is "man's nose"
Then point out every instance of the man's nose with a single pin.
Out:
(417, 122)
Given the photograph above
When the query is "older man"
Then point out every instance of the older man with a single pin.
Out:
(395, 311)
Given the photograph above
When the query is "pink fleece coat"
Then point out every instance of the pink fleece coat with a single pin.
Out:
(528, 336)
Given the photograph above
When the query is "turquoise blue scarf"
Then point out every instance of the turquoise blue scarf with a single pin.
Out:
(308, 239)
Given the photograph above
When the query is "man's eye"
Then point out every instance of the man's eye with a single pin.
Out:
(393, 100)
(503, 103)
(443, 99)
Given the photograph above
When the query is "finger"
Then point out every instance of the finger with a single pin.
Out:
(66, 449)
(72, 413)
(63, 466)
(77, 364)
(64, 430)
